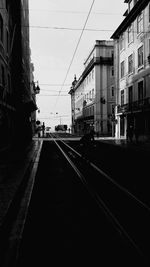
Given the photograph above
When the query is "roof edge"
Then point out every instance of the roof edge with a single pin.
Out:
(139, 6)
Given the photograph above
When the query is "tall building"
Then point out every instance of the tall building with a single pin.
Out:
(132, 69)
(16, 102)
(35, 89)
(6, 109)
(93, 94)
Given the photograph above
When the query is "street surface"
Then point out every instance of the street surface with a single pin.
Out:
(64, 225)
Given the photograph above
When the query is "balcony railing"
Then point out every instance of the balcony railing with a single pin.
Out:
(139, 105)
(97, 61)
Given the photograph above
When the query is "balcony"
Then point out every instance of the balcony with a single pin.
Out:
(97, 61)
(139, 105)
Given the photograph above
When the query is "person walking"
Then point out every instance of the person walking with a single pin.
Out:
(43, 129)
(136, 133)
(87, 141)
(130, 133)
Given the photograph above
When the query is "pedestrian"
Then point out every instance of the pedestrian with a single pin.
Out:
(43, 129)
(136, 133)
(87, 142)
(39, 131)
(130, 133)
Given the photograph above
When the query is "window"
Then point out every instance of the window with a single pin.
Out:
(113, 109)
(130, 63)
(93, 110)
(140, 23)
(130, 94)
(140, 56)
(122, 69)
(122, 97)
(112, 55)
(140, 91)
(130, 5)
(130, 33)
(112, 91)
(92, 93)
(1, 28)
(112, 71)
(121, 41)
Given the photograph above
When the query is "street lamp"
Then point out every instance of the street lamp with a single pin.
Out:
(36, 87)
(59, 116)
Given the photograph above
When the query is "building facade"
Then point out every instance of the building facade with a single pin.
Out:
(35, 89)
(6, 109)
(93, 94)
(132, 69)
(16, 101)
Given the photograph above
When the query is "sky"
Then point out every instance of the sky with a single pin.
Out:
(62, 33)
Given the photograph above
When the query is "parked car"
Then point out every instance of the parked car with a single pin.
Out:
(47, 131)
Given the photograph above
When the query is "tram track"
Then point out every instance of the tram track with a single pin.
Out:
(128, 214)
(77, 216)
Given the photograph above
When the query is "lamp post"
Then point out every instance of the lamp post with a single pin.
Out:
(36, 87)
(59, 117)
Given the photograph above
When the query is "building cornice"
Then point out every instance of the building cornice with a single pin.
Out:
(94, 61)
(139, 6)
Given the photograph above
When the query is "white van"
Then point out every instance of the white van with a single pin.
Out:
(47, 131)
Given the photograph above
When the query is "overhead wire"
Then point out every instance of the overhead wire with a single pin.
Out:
(67, 11)
(54, 95)
(76, 29)
(75, 12)
(126, 75)
(67, 28)
(75, 50)
(102, 90)
(52, 90)
(54, 84)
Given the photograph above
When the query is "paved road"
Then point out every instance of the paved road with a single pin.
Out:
(64, 226)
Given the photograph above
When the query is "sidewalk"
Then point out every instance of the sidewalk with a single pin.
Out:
(142, 145)
(15, 171)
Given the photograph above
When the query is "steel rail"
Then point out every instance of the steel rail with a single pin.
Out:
(119, 228)
(123, 189)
